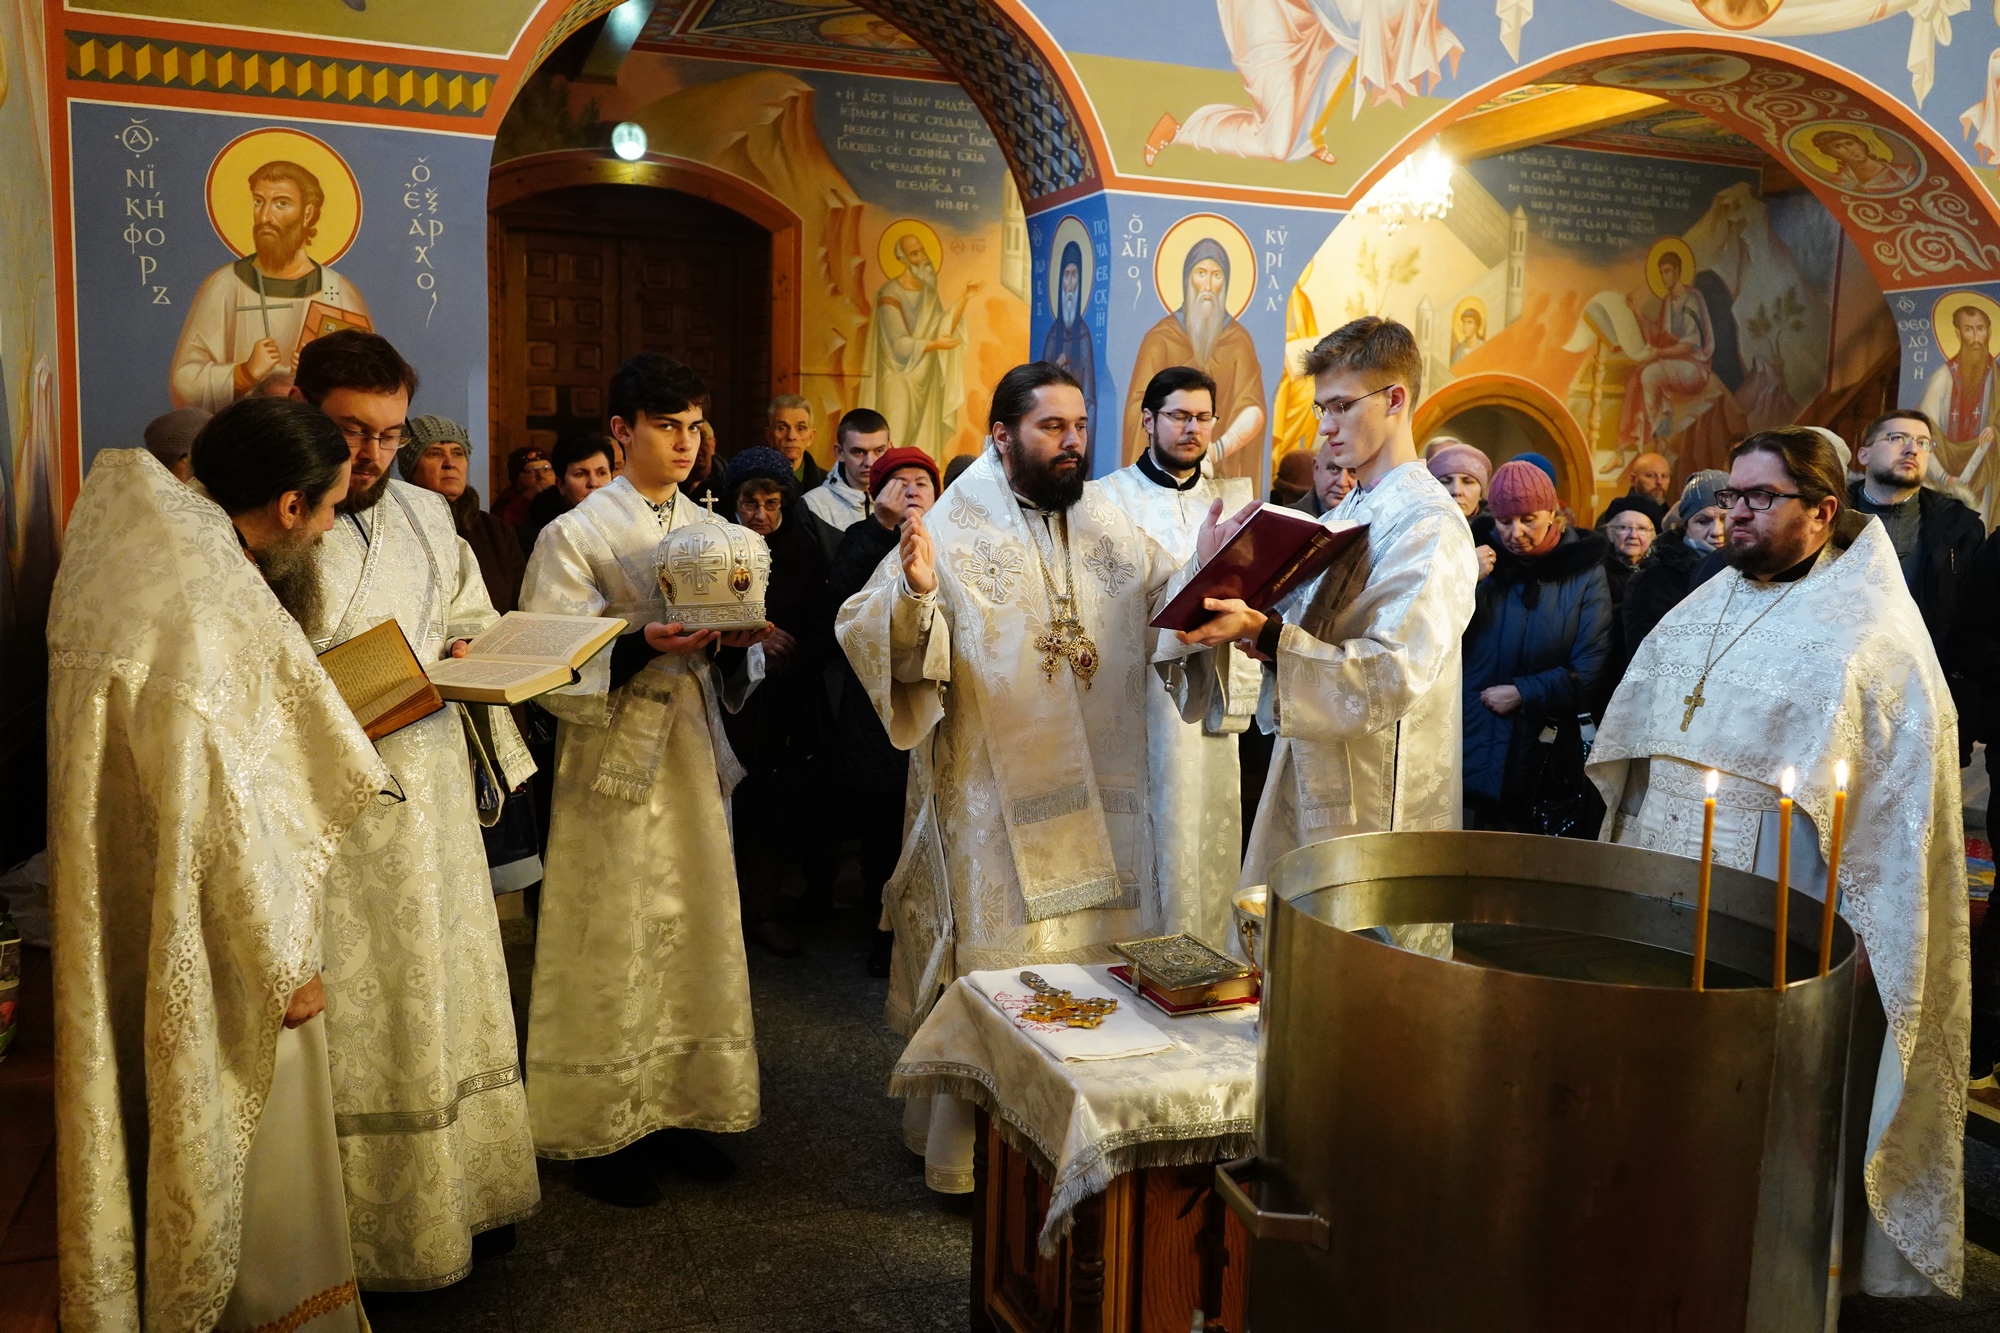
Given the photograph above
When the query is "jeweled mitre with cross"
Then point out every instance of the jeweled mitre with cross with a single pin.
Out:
(714, 576)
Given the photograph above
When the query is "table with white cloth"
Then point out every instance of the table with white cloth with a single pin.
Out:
(1094, 1206)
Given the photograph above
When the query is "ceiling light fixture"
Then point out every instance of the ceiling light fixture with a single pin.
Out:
(628, 140)
(1416, 188)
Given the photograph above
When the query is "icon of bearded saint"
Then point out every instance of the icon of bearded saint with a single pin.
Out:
(1068, 343)
(1203, 334)
(243, 324)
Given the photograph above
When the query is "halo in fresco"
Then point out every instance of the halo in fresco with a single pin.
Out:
(1473, 304)
(885, 250)
(1946, 332)
(229, 190)
(1071, 228)
(1737, 15)
(1181, 237)
(1683, 71)
(1855, 158)
(1679, 249)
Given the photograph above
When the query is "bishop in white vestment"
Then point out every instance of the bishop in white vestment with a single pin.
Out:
(426, 1077)
(1750, 678)
(640, 1019)
(202, 769)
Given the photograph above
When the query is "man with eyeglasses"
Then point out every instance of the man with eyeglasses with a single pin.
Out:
(1806, 653)
(1363, 682)
(432, 1116)
(1195, 774)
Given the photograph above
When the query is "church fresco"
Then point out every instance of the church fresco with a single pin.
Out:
(1956, 369)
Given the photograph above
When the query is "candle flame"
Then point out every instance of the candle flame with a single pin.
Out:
(1840, 775)
(1788, 781)
(1712, 781)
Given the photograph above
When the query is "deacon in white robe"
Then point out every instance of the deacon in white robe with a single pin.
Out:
(202, 769)
(640, 1019)
(1019, 684)
(1195, 780)
(426, 1076)
(1828, 661)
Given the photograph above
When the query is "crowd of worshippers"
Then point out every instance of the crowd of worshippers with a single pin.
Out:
(958, 681)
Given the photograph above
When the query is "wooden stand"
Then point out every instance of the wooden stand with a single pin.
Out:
(1141, 1257)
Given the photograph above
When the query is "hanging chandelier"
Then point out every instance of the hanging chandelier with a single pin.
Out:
(1416, 188)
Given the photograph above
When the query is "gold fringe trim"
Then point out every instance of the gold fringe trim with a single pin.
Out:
(309, 1309)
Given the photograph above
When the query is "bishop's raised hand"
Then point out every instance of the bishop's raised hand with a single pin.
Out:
(919, 557)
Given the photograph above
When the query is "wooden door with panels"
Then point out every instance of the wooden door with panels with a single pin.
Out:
(590, 274)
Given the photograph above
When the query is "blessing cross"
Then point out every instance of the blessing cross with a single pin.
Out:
(1693, 701)
(1060, 1006)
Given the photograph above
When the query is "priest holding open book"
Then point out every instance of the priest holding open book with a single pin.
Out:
(432, 1116)
(1362, 684)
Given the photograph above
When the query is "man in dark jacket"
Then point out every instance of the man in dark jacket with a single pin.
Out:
(1937, 540)
(870, 773)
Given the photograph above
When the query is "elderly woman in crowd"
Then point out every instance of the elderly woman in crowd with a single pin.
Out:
(1695, 530)
(1631, 524)
(438, 457)
(1465, 473)
(1539, 639)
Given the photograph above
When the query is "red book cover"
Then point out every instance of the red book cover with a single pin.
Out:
(1275, 552)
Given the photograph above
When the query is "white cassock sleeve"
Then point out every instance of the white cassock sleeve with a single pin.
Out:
(471, 611)
(559, 582)
(900, 647)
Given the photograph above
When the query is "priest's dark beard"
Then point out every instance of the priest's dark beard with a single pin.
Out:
(1041, 486)
(289, 568)
(359, 500)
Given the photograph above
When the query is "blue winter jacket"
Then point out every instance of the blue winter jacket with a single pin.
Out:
(1544, 627)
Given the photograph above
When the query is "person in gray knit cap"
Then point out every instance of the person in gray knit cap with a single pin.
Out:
(1695, 530)
(437, 456)
(169, 438)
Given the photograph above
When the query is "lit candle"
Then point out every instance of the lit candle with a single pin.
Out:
(1831, 905)
(1778, 920)
(1713, 780)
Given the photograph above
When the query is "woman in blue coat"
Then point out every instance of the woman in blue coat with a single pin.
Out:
(1539, 639)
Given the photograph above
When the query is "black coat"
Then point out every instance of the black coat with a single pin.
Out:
(1660, 583)
(1975, 646)
(859, 755)
(1949, 538)
(778, 726)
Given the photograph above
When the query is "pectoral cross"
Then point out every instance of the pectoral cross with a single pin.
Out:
(1693, 701)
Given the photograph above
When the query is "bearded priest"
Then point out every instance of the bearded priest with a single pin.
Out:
(1005, 645)
(202, 768)
(1809, 652)
(1194, 778)
(1363, 682)
(426, 1075)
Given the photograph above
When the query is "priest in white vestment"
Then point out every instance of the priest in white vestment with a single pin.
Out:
(640, 1021)
(1807, 653)
(1363, 682)
(426, 1074)
(1195, 780)
(1005, 646)
(202, 769)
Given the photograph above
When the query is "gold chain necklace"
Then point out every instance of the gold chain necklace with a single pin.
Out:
(1697, 699)
(1065, 639)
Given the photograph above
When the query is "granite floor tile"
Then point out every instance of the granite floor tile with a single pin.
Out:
(635, 1286)
(942, 1309)
(479, 1304)
(927, 1243)
(787, 1265)
(873, 1171)
(570, 1219)
(776, 1177)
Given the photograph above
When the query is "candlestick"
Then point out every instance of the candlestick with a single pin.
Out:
(1778, 917)
(1830, 906)
(1713, 780)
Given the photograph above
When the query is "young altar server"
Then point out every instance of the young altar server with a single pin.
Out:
(639, 1033)
(202, 769)
(1362, 684)
(1809, 651)
(1194, 777)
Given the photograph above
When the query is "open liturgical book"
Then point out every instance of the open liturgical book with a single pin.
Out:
(1274, 552)
(521, 656)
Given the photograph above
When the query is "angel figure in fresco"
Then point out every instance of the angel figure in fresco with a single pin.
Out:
(1858, 169)
(1294, 56)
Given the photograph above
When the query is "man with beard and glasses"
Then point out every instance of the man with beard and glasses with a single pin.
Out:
(917, 351)
(1203, 334)
(1961, 401)
(1069, 343)
(243, 325)
(201, 770)
(433, 1119)
(1194, 773)
(1806, 653)
(1011, 629)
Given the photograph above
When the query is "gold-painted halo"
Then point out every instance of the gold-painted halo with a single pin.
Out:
(1804, 142)
(1071, 228)
(1737, 15)
(1668, 245)
(1472, 303)
(885, 250)
(1171, 254)
(866, 30)
(1945, 332)
(339, 219)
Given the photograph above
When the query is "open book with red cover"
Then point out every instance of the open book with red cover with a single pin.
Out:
(1273, 553)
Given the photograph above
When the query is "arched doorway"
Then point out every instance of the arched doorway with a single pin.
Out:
(1505, 415)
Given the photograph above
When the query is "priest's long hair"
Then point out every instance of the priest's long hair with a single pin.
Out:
(1014, 396)
(257, 449)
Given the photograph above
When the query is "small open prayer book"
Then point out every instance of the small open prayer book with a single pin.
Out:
(378, 675)
(523, 655)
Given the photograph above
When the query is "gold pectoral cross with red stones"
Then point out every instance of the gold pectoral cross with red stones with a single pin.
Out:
(1065, 641)
(1060, 1006)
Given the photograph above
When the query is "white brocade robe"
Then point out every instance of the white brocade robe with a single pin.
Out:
(1365, 691)
(1194, 776)
(426, 1077)
(1030, 836)
(202, 769)
(640, 1018)
(1841, 669)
